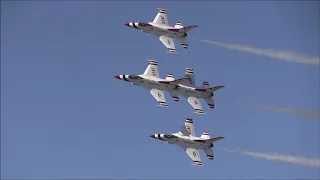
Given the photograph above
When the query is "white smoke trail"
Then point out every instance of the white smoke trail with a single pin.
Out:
(297, 112)
(311, 162)
(281, 55)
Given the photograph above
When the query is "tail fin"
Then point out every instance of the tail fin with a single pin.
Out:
(205, 135)
(188, 28)
(213, 89)
(178, 25)
(205, 85)
(209, 89)
(169, 77)
(209, 151)
(212, 140)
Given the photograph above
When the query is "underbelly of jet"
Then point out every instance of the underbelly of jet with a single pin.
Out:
(167, 33)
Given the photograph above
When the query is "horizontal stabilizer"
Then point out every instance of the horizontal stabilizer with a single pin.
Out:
(184, 29)
(178, 25)
(169, 77)
(174, 82)
(205, 135)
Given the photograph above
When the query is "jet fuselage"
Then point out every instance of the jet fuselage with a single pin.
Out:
(183, 141)
(156, 29)
(150, 82)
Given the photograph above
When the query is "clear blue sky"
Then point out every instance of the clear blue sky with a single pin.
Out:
(64, 115)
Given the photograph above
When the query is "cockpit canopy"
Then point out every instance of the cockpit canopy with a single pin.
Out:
(169, 136)
(134, 77)
(142, 24)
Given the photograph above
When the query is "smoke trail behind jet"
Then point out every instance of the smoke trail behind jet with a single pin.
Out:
(297, 112)
(281, 55)
(311, 162)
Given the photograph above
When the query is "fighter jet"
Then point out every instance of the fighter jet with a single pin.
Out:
(166, 33)
(185, 86)
(191, 144)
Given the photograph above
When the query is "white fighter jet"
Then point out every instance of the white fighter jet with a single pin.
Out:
(185, 86)
(166, 33)
(191, 144)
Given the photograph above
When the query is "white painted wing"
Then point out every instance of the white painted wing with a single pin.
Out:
(189, 75)
(194, 155)
(209, 153)
(196, 104)
(161, 17)
(152, 69)
(169, 43)
(188, 128)
(159, 96)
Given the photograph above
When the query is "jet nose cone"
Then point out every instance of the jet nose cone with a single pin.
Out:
(127, 24)
(152, 136)
(118, 77)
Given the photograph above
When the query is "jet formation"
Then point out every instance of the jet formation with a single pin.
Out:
(185, 86)
(166, 33)
(191, 144)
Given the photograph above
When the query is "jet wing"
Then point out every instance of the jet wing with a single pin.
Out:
(188, 128)
(190, 76)
(194, 155)
(196, 104)
(169, 43)
(159, 96)
(161, 17)
(152, 69)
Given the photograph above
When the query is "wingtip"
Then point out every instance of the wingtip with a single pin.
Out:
(163, 105)
(172, 51)
(200, 113)
(152, 62)
(162, 9)
(197, 164)
(189, 120)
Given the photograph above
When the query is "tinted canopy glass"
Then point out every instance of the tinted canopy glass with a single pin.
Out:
(134, 77)
(144, 24)
(169, 136)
